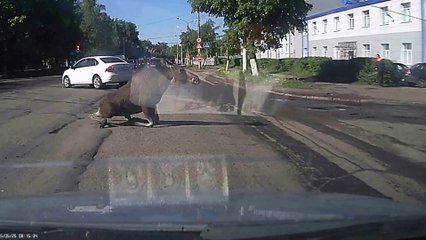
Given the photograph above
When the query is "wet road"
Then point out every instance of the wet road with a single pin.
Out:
(202, 150)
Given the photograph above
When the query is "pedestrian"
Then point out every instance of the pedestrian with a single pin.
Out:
(380, 66)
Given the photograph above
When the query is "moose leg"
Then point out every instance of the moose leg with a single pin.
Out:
(103, 122)
(149, 115)
(128, 117)
(156, 117)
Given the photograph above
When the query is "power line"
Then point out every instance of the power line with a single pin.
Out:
(400, 13)
(162, 20)
(159, 37)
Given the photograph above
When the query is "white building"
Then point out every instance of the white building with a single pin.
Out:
(394, 28)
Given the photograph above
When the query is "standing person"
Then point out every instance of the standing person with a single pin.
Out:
(380, 66)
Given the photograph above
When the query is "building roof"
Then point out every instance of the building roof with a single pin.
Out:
(344, 8)
(323, 5)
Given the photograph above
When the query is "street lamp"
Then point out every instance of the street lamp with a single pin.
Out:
(187, 23)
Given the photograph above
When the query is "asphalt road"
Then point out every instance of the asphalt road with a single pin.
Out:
(203, 151)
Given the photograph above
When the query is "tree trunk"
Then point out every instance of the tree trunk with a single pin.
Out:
(244, 54)
(227, 63)
(253, 63)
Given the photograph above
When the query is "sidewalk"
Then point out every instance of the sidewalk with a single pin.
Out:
(340, 92)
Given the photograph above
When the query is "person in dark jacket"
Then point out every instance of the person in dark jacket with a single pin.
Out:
(380, 66)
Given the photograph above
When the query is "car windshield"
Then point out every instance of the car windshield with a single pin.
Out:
(112, 60)
(161, 113)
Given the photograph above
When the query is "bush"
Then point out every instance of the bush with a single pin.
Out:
(357, 69)
(269, 65)
(368, 73)
(336, 71)
(296, 66)
(310, 65)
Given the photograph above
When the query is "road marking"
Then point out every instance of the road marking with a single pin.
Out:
(204, 80)
(225, 187)
(38, 165)
(149, 182)
(353, 160)
(187, 183)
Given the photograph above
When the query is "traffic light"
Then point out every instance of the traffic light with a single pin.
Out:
(77, 47)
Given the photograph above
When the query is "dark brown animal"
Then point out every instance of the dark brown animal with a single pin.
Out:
(142, 94)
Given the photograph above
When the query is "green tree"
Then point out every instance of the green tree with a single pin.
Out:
(208, 34)
(97, 28)
(161, 49)
(37, 32)
(230, 45)
(125, 38)
(209, 37)
(259, 24)
(146, 47)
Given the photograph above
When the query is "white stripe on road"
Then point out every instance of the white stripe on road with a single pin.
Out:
(187, 183)
(204, 80)
(38, 165)
(149, 190)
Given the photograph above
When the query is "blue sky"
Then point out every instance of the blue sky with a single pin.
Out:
(156, 19)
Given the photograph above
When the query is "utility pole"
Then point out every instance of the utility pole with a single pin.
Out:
(177, 53)
(181, 55)
(199, 37)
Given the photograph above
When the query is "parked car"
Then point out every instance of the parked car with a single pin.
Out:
(416, 75)
(399, 73)
(98, 71)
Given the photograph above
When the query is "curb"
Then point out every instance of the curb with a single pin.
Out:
(329, 99)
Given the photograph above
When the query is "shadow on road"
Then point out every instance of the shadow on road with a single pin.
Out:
(177, 123)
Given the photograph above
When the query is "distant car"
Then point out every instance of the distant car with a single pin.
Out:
(153, 62)
(98, 71)
(399, 73)
(416, 75)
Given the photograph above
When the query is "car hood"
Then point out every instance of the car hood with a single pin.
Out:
(170, 209)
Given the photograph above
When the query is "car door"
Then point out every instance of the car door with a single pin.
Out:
(77, 73)
(89, 70)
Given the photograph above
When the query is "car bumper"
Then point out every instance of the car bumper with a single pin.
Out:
(114, 78)
(411, 79)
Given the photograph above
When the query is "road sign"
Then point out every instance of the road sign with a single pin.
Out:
(199, 46)
(198, 40)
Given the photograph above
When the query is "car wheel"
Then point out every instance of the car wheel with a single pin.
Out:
(421, 83)
(67, 82)
(97, 82)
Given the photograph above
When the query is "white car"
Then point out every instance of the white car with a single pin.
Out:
(98, 71)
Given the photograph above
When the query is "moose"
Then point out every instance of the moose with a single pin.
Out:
(142, 94)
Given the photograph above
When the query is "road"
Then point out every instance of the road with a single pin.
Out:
(202, 150)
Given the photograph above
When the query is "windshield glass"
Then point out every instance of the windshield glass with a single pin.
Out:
(195, 106)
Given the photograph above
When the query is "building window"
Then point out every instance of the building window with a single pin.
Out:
(336, 24)
(336, 53)
(324, 26)
(366, 48)
(314, 26)
(366, 19)
(324, 51)
(314, 51)
(407, 53)
(406, 12)
(351, 22)
(385, 15)
(386, 50)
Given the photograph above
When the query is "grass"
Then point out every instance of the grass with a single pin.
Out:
(233, 74)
